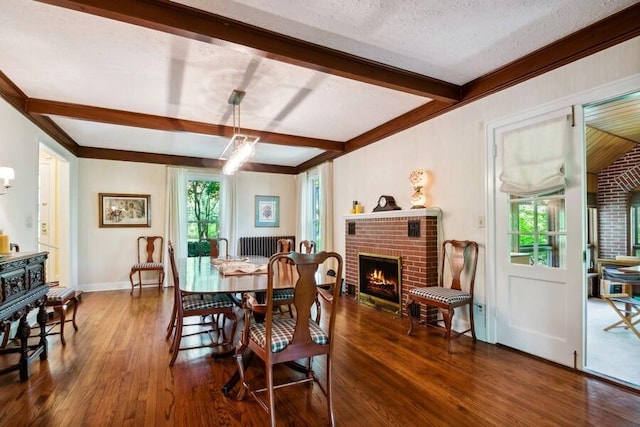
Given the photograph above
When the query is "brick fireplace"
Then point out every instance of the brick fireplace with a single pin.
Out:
(408, 235)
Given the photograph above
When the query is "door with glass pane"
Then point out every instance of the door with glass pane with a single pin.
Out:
(539, 266)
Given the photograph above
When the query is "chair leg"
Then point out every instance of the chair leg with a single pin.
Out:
(410, 302)
(271, 395)
(447, 316)
(240, 364)
(62, 311)
(172, 321)
(234, 324)
(329, 392)
(473, 326)
(131, 280)
(176, 341)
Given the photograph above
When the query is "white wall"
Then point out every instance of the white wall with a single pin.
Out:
(251, 184)
(452, 148)
(105, 255)
(19, 149)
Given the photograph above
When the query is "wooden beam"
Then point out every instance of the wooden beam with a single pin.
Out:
(400, 123)
(608, 32)
(195, 24)
(601, 35)
(166, 159)
(148, 121)
(18, 100)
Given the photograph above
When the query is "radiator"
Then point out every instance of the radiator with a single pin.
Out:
(263, 246)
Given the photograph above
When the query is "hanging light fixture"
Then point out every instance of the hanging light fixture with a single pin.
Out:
(242, 145)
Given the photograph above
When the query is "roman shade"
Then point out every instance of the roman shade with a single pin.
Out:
(533, 157)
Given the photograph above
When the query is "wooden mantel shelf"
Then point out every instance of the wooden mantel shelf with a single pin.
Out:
(437, 212)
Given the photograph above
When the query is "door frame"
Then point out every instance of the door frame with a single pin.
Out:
(67, 210)
(608, 90)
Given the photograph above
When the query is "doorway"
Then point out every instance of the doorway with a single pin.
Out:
(612, 135)
(54, 215)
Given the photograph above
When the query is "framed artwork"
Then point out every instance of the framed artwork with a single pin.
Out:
(124, 210)
(267, 211)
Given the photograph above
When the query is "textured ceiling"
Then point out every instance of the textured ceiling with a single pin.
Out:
(140, 84)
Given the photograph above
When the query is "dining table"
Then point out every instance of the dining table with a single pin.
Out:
(233, 276)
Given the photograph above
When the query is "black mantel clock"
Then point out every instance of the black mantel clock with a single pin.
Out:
(386, 203)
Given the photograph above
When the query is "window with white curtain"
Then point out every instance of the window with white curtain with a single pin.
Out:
(313, 198)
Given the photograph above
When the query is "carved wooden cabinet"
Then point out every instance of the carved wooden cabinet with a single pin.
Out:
(23, 287)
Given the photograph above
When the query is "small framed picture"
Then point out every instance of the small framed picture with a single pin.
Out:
(267, 211)
(124, 210)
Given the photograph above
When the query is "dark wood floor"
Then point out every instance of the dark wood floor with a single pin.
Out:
(114, 372)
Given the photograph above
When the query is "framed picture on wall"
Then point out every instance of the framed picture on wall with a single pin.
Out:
(267, 211)
(124, 210)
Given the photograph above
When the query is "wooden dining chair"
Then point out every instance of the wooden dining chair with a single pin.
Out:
(462, 258)
(214, 247)
(200, 306)
(150, 250)
(280, 339)
(284, 297)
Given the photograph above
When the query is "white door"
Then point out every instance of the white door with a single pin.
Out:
(539, 250)
(47, 223)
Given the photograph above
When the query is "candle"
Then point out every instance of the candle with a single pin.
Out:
(4, 244)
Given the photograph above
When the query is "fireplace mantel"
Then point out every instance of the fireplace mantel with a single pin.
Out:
(437, 212)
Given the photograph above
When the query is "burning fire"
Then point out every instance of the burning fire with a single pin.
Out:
(377, 276)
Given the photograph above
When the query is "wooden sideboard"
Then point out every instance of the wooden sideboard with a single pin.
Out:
(23, 287)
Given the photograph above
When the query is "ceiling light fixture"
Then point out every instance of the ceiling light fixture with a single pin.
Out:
(242, 144)
(6, 174)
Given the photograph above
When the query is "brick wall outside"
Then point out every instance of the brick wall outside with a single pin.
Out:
(388, 236)
(614, 184)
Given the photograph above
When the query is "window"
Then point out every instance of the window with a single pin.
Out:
(314, 205)
(203, 212)
(538, 229)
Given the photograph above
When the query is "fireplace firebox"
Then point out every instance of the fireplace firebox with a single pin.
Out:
(380, 281)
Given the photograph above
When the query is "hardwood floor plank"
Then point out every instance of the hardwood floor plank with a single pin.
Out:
(114, 372)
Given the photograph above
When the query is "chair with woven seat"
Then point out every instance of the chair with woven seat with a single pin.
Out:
(150, 249)
(59, 298)
(462, 259)
(281, 339)
(201, 306)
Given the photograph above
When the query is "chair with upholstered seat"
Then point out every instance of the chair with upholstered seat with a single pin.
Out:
(281, 339)
(462, 258)
(201, 306)
(59, 299)
(150, 249)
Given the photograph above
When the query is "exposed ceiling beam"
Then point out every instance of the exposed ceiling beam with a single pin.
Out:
(148, 121)
(15, 97)
(165, 159)
(194, 24)
(601, 35)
